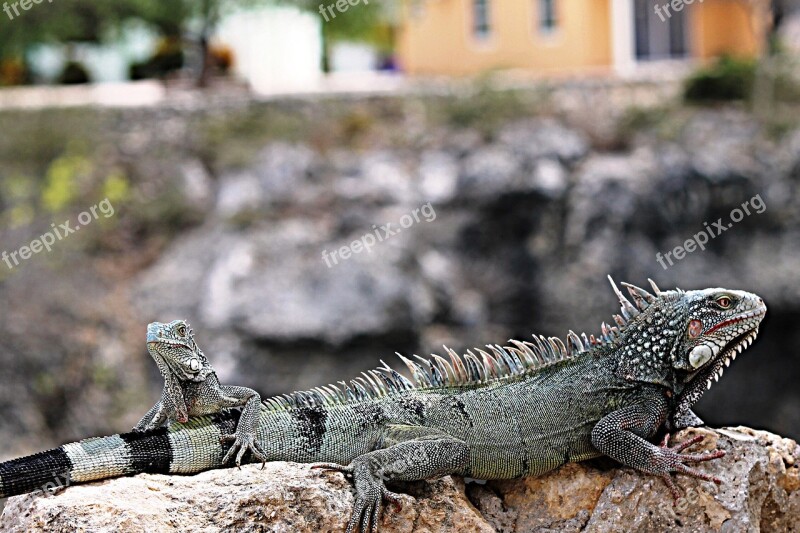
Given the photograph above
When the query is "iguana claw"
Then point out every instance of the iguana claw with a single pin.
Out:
(370, 493)
(677, 462)
(242, 443)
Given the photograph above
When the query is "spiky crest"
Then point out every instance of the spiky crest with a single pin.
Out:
(499, 362)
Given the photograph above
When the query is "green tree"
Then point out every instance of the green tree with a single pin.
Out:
(198, 19)
(371, 22)
(70, 21)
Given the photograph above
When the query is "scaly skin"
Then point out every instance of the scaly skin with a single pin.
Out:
(518, 411)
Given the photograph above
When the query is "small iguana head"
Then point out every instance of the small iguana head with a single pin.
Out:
(685, 339)
(176, 353)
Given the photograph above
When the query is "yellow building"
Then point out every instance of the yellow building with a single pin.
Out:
(549, 36)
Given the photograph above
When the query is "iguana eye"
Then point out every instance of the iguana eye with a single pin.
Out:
(723, 302)
(182, 331)
(695, 329)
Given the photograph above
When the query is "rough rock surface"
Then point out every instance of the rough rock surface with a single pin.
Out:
(760, 492)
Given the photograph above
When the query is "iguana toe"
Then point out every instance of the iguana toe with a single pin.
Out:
(241, 445)
(675, 461)
(370, 493)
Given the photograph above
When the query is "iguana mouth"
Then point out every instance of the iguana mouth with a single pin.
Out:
(755, 313)
(171, 342)
(733, 348)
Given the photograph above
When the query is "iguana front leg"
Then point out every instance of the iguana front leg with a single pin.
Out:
(245, 437)
(171, 406)
(621, 435)
(411, 453)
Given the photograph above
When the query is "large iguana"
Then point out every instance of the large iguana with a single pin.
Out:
(504, 412)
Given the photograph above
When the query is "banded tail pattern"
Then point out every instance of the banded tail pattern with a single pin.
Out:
(181, 449)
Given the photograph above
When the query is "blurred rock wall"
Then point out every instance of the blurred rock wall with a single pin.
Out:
(521, 212)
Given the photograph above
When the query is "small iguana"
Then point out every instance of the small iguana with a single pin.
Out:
(505, 412)
(191, 388)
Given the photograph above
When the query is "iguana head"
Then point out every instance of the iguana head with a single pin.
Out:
(685, 339)
(719, 324)
(176, 353)
(715, 326)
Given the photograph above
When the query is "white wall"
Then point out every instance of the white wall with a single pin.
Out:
(276, 48)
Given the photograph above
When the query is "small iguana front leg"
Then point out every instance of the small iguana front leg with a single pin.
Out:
(171, 406)
(144, 423)
(245, 437)
(413, 453)
(621, 435)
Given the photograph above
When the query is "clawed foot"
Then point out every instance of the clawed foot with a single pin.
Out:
(242, 443)
(370, 493)
(676, 462)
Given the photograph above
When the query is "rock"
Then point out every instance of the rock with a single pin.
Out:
(549, 178)
(438, 176)
(281, 173)
(545, 138)
(720, 146)
(238, 193)
(197, 184)
(608, 192)
(274, 283)
(283, 170)
(760, 492)
(488, 172)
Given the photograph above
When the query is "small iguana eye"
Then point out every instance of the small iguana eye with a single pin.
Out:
(181, 331)
(724, 302)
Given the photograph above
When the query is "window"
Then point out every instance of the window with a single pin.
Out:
(659, 37)
(480, 18)
(547, 15)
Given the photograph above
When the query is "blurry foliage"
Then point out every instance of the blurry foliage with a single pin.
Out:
(485, 107)
(362, 22)
(72, 21)
(116, 187)
(640, 118)
(355, 124)
(13, 72)
(19, 193)
(61, 181)
(233, 140)
(55, 164)
(734, 79)
(69, 21)
(20, 215)
(663, 121)
(727, 79)
(74, 73)
(222, 58)
(167, 58)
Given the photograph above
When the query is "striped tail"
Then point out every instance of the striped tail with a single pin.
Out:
(182, 449)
